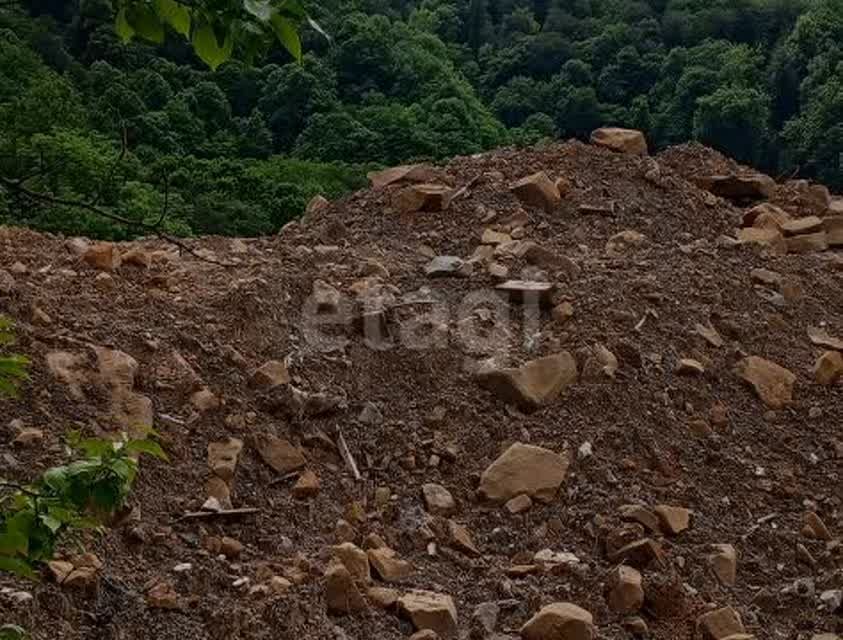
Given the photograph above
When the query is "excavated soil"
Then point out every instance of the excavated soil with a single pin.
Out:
(748, 480)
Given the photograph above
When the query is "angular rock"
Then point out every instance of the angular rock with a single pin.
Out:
(231, 548)
(404, 173)
(560, 621)
(821, 338)
(429, 610)
(490, 236)
(137, 257)
(205, 400)
(28, 437)
(388, 565)
(720, 624)
(690, 367)
(766, 277)
(802, 226)
(524, 469)
(423, 197)
(724, 563)
(382, 597)
(625, 593)
(438, 499)
(355, 560)
(828, 368)
(445, 266)
(527, 292)
(163, 596)
(674, 520)
(279, 454)
(222, 457)
(460, 539)
(102, 256)
(623, 140)
(815, 528)
(765, 215)
(537, 190)
(563, 312)
(639, 554)
(341, 593)
(754, 186)
(317, 203)
(770, 238)
(533, 384)
(833, 227)
(307, 486)
(772, 383)
(641, 515)
(519, 504)
(270, 374)
(807, 243)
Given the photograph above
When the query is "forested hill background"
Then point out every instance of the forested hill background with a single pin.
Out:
(241, 150)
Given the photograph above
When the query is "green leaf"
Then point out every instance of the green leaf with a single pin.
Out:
(261, 9)
(16, 566)
(13, 543)
(12, 632)
(145, 446)
(292, 8)
(53, 524)
(122, 26)
(146, 23)
(208, 49)
(174, 14)
(287, 35)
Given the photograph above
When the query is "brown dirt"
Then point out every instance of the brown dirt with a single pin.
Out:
(758, 464)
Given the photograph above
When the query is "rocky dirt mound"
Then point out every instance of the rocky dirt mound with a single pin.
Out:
(561, 393)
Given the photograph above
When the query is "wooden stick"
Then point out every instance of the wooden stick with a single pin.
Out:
(346, 456)
(227, 513)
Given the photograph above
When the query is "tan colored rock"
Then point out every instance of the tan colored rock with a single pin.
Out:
(388, 565)
(537, 190)
(355, 560)
(341, 593)
(724, 563)
(833, 227)
(765, 215)
(807, 243)
(382, 597)
(639, 554)
(425, 634)
(641, 515)
(563, 312)
(828, 368)
(104, 283)
(766, 277)
(600, 363)
(625, 591)
(772, 383)
(404, 173)
(438, 499)
(490, 236)
(102, 256)
(217, 489)
(720, 624)
(770, 238)
(59, 570)
(222, 457)
(524, 469)
(535, 383)
(749, 186)
(279, 454)
(519, 504)
(674, 520)
(428, 610)
(459, 537)
(205, 400)
(423, 197)
(28, 437)
(137, 257)
(623, 240)
(815, 528)
(527, 292)
(560, 621)
(317, 203)
(162, 596)
(690, 367)
(623, 140)
(307, 486)
(270, 374)
(821, 338)
(802, 226)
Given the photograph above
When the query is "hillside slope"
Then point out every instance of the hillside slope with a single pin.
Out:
(653, 298)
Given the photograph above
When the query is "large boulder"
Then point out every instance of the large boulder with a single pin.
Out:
(533, 384)
(537, 190)
(748, 186)
(524, 469)
(623, 140)
(560, 621)
(404, 173)
(423, 197)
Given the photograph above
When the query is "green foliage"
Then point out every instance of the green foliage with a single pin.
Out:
(12, 632)
(65, 500)
(13, 366)
(216, 28)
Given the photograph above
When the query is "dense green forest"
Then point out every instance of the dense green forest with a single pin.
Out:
(241, 149)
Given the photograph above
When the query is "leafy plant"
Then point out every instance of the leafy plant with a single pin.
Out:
(12, 367)
(12, 632)
(216, 28)
(65, 500)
